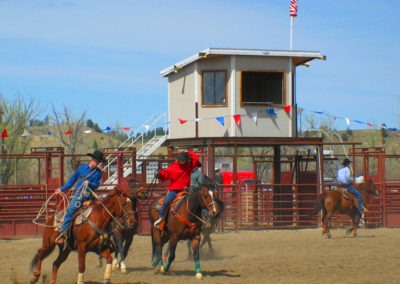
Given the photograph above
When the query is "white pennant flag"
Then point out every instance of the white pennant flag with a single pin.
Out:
(87, 131)
(146, 127)
(347, 121)
(254, 116)
(26, 133)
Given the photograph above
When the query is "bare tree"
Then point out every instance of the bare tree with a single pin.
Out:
(68, 130)
(14, 118)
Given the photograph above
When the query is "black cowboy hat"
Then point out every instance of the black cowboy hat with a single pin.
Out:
(346, 161)
(182, 156)
(97, 155)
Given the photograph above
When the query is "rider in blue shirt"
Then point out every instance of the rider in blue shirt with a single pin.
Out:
(86, 176)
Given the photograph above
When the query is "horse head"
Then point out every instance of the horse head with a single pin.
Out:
(207, 201)
(368, 189)
(122, 206)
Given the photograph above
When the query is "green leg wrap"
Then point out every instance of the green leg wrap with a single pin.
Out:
(197, 266)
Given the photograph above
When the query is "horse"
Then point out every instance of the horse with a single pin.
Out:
(123, 235)
(183, 221)
(335, 201)
(92, 235)
(206, 232)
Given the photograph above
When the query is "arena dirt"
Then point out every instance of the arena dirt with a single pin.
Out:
(278, 256)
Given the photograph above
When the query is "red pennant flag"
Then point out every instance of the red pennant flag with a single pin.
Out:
(127, 128)
(237, 118)
(370, 124)
(68, 132)
(287, 108)
(4, 134)
(182, 121)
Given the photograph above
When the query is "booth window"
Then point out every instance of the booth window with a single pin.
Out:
(262, 88)
(213, 88)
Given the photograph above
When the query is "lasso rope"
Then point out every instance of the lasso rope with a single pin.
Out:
(44, 209)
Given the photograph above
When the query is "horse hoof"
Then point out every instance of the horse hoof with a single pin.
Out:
(162, 270)
(199, 276)
(123, 270)
(106, 281)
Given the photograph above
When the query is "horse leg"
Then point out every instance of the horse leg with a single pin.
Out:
(107, 272)
(62, 256)
(124, 254)
(165, 254)
(156, 247)
(196, 256)
(36, 263)
(355, 219)
(190, 252)
(119, 243)
(326, 217)
(171, 257)
(81, 262)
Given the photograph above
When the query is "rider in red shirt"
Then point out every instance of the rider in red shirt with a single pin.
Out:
(179, 175)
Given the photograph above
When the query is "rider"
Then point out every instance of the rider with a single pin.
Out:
(179, 175)
(345, 180)
(197, 178)
(85, 176)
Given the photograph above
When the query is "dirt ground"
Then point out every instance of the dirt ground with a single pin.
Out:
(279, 256)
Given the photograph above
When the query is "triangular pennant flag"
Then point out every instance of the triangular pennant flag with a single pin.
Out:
(221, 120)
(108, 128)
(319, 112)
(287, 108)
(347, 121)
(49, 133)
(4, 134)
(127, 128)
(360, 122)
(26, 133)
(370, 124)
(237, 119)
(271, 112)
(68, 132)
(146, 127)
(254, 115)
(182, 121)
(87, 131)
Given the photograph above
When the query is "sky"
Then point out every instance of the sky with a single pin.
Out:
(105, 57)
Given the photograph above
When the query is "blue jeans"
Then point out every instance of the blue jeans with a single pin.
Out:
(168, 199)
(74, 205)
(357, 194)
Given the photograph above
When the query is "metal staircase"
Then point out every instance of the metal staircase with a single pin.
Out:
(137, 139)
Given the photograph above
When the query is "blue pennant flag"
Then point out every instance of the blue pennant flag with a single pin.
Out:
(108, 128)
(221, 120)
(271, 112)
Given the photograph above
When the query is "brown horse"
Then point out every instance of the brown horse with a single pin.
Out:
(182, 222)
(334, 201)
(91, 235)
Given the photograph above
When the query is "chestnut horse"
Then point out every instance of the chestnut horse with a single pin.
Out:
(334, 201)
(92, 235)
(183, 221)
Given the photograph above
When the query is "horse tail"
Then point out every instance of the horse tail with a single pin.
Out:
(36, 258)
(320, 203)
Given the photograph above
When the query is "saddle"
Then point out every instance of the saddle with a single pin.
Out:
(80, 216)
(172, 207)
(348, 196)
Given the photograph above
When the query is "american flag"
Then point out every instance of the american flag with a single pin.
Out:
(293, 8)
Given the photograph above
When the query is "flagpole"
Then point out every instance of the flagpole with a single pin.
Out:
(291, 33)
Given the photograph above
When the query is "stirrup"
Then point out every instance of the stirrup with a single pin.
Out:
(365, 210)
(157, 222)
(60, 239)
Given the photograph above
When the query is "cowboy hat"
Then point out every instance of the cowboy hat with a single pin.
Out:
(182, 156)
(97, 155)
(346, 161)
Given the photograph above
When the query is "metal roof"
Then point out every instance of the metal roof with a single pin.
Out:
(299, 57)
